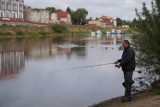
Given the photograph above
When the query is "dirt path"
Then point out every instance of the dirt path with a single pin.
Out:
(140, 100)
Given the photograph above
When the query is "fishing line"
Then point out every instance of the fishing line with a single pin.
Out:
(85, 67)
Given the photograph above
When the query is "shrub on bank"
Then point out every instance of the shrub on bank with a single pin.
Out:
(59, 28)
(7, 32)
(19, 32)
(148, 40)
(156, 87)
(104, 31)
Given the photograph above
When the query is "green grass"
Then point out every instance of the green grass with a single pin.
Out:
(20, 31)
(156, 88)
(6, 30)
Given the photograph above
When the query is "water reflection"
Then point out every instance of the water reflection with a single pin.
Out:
(37, 61)
(12, 62)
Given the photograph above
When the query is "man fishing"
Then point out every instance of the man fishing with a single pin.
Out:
(127, 62)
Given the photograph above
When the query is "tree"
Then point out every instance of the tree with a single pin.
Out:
(119, 22)
(127, 22)
(69, 10)
(90, 19)
(96, 18)
(79, 16)
(51, 9)
(148, 41)
(134, 23)
(59, 10)
(26, 7)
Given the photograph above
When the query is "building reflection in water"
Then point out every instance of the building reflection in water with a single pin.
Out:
(11, 63)
(13, 54)
(112, 40)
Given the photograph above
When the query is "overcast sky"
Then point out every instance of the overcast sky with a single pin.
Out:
(124, 9)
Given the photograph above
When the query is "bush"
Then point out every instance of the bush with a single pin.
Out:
(156, 87)
(4, 25)
(19, 32)
(148, 41)
(7, 33)
(44, 31)
(58, 28)
(104, 31)
(10, 33)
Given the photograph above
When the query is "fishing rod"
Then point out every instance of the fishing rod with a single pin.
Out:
(86, 67)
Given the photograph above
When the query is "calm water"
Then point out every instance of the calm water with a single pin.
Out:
(31, 76)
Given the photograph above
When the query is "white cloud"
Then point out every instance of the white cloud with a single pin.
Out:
(116, 8)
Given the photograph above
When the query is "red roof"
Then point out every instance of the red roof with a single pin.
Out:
(107, 19)
(62, 14)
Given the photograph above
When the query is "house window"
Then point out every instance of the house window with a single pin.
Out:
(8, 1)
(1, 0)
(8, 6)
(14, 15)
(14, 7)
(1, 5)
(7, 15)
(20, 16)
(1, 14)
(20, 8)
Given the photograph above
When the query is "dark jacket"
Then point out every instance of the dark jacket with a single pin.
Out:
(127, 61)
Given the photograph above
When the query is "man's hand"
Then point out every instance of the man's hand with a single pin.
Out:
(116, 62)
(118, 66)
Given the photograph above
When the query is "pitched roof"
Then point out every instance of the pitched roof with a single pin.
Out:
(62, 14)
(106, 18)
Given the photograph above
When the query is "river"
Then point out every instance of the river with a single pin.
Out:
(32, 71)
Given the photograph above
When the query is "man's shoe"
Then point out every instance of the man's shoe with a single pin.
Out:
(126, 100)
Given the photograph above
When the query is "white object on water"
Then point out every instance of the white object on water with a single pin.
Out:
(119, 31)
(93, 34)
(113, 31)
(98, 33)
(108, 32)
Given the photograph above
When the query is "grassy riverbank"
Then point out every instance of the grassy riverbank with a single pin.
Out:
(14, 31)
(6, 30)
(24, 31)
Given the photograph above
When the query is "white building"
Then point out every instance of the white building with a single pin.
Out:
(43, 16)
(64, 18)
(36, 15)
(11, 9)
(115, 23)
(40, 15)
(54, 18)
